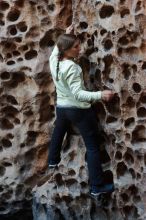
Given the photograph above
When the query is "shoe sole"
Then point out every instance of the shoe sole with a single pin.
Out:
(97, 194)
(53, 166)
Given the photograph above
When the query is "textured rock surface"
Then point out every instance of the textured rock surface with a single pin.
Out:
(113, 37)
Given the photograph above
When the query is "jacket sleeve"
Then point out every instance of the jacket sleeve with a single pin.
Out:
(55, 52)
(75, 83)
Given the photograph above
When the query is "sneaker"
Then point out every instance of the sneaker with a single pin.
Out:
(106, 188)
(51, 166)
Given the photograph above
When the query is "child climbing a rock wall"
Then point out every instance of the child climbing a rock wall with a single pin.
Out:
(74, 106)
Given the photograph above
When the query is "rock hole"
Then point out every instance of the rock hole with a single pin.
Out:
(83, 25)
(121, 169)
(111, 80)
(114, 107)
(2, 23)
(6, 143)
(70, 182)
(31, 137)
(4, 5)
(137, 199)
(132, 172)
(90, 43)
(10, 110)
(22, 145)
(19, 190)
(29, 156)
(13, 15)
(2, 171)
(71, 172)
(102, 32)
(5, 75)
(28, 112)
(145, 159)
(30, 54)
(67, 199)
(108, 60)
(19, 3)
(8, 45)
(58, 179)
(16, 121)
(138, 176)
(18, 77)
(139, 155)
(57, 198)
(7, 164)
(136, 87)
(127, 137)
(11, 99)
(123, 40)
(82, 37)
(106, 11)
(16, 53)
(49, 35)
(130, 211)
(125, 197)
(51, 7)
(12, 30)
(129, 122)
(141, 112)
(18, 39)
(20, 59)
(7, 195)
(6, 124)
(118, 155)
(138, 6)
(111, 119)
(25, 168)
(133, 190)
(9, 55)
(22, 26)
(25, 47)
(1, 188)
(139, 134)
(144, 65)
(122, 1)
(130, 102)
(129, 158)
(120, 51)
(10, 136)
(1, 15)
(108, 44)
(124, 12)
(134, 67)
(83, 184)
(11, 62)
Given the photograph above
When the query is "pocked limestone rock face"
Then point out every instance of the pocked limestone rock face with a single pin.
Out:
(113, 37)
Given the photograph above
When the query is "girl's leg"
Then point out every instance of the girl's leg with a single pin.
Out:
(86, 122)
(61, 125)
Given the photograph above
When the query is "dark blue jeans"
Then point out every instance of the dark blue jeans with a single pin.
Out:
(85, 121)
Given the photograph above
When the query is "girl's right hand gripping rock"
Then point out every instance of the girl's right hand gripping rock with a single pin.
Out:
(107, 95)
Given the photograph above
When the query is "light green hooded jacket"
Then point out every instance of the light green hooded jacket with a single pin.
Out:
(70, 88)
